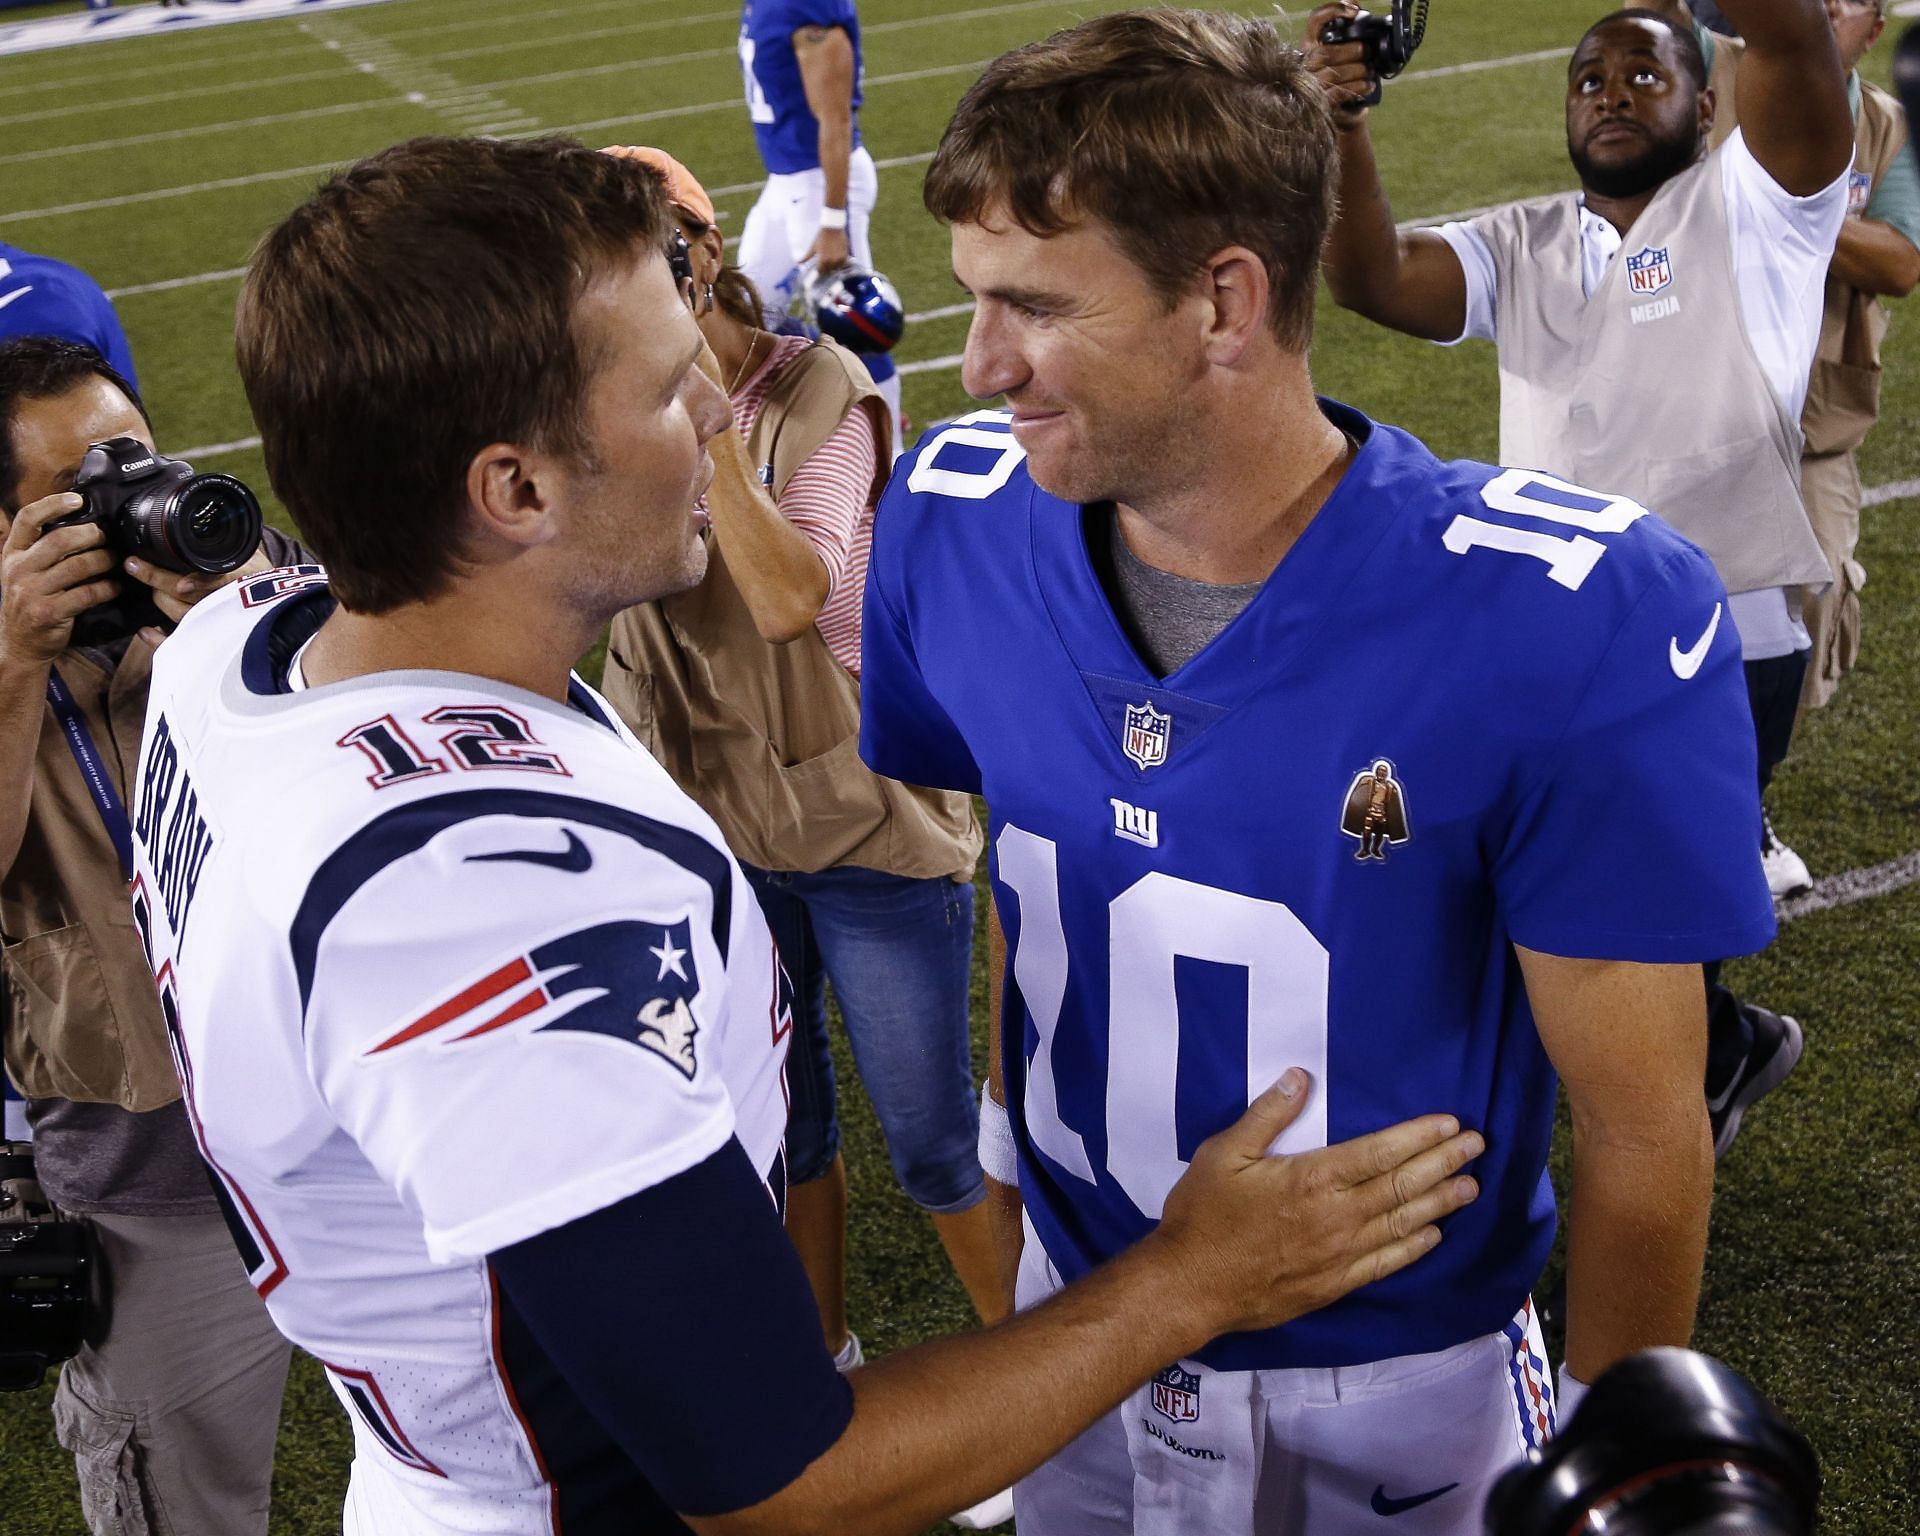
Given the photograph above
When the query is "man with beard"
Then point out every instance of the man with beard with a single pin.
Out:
(1656, 330)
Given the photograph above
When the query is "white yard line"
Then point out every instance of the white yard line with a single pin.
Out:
(1844, 889)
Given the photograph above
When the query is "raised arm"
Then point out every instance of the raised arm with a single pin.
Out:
(1408, 280)
(1791, 92)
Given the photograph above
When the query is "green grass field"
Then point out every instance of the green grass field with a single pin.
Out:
(156, 165)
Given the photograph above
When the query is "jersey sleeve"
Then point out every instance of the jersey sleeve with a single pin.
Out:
(1483, 282)
(1639, 837)
(905, 732)
(818, 13)
(519, 1021)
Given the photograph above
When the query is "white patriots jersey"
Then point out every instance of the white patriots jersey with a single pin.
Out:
(446, 965)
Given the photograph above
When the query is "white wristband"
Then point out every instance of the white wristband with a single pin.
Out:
(833, 218)
(999, 1158)
(1566, 1398)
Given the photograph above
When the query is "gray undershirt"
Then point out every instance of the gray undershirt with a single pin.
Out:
(1170, 619)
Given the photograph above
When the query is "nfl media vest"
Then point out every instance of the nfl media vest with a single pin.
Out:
(1650, 388)
(764, 737)
(82, 1017)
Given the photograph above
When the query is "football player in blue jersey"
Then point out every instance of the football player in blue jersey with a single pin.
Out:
(1299, 744)
(801, 61)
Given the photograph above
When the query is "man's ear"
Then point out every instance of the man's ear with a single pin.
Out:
(510, 494)
(1235, 283)
(1707, 108)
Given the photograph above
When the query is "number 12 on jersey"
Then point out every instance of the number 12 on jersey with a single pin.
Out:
(1156, 922)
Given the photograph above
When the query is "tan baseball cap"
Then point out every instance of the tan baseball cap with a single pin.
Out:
(683, 189)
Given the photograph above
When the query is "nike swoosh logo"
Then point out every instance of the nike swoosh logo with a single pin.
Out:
(1686, 663)
(1718, 1104)
(573, 858)
(18, 293)
(1382, 1505)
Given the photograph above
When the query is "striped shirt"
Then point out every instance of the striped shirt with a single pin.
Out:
(830, 499)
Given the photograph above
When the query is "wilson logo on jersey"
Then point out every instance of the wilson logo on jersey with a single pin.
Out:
(629, 980)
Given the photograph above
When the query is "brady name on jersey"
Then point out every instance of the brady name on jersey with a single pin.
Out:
(1472, 708)
(456, 899)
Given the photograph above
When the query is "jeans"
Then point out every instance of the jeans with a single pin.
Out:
(898, 952)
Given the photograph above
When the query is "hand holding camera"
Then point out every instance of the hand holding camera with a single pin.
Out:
(132, 510)
(1351, 52)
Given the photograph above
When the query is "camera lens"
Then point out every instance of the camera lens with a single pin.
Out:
(212, 523)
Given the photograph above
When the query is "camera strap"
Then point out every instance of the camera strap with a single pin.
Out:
(93, 768)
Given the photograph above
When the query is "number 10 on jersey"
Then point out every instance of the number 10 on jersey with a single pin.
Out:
(1151, 925)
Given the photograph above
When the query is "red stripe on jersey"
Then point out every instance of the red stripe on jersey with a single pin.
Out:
(513, 1397)
(533, 1002)
(509, 975)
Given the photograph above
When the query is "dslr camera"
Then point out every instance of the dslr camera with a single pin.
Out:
(158, 509)
(53, 1292)
(1389, 41)
(1667, 1443)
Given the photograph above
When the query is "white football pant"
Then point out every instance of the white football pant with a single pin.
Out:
(1408, 1446)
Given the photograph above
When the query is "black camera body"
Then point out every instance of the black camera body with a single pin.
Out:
(52, 1277)
(1666, 1443)
(160, 510)
(1389, 41)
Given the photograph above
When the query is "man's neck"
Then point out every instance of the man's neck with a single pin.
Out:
(457, 633)
(1259, 481)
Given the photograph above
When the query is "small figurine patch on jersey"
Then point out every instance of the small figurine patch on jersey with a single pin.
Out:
(1145, 735)
(1376, 811)
(634, 981)
(1648, 271)
(1176, 1395)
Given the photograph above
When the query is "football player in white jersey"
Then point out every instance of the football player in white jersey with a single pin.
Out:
(480, 1028)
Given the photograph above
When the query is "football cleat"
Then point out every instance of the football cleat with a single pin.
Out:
(857, 308)
(1787, 872)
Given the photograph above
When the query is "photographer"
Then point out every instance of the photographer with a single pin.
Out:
(171, 1417)
(1655, 334)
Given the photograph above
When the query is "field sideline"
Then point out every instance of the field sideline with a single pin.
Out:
(156, 164)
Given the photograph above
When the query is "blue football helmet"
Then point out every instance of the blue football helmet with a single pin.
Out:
(857, 308)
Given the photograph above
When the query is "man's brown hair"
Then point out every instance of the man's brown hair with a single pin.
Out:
(419, 306)
(1184, 132)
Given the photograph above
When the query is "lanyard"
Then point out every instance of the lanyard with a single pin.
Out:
(93, 769)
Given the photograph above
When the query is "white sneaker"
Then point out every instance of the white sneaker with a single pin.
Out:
(1787, 872)
(988, 1513)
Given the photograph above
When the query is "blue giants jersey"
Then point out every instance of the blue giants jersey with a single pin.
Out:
(788, 133)
(1471, 709)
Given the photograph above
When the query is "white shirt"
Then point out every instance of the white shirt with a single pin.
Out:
(1782, 247)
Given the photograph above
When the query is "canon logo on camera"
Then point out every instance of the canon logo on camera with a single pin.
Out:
(135, 465)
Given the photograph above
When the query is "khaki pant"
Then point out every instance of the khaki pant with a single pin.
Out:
(1830, 486)
(172, 1420)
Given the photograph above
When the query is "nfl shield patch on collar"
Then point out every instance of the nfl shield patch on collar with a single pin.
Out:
(1145, 735)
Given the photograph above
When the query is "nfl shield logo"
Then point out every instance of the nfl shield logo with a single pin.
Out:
(1176, 1395)
(1649, 271)
(1145, 734)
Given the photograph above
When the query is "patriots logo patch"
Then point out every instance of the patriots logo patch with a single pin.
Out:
(628, 980)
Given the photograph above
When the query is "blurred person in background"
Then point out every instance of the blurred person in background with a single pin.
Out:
(41, 296)
(1616, 312)
(171, 1416)
(746, 688)
(1878, 257)
(802, 66)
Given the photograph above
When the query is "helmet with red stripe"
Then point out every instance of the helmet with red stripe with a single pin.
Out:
(857, 308)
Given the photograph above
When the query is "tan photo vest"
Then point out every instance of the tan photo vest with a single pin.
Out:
(82, 1020)
(765, 737)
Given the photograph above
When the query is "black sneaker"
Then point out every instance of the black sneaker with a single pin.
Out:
(1776, 1048)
